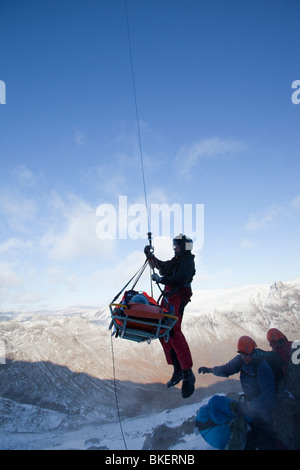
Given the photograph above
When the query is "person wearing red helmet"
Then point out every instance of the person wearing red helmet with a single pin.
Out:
(256, 375)
(286, 415)
(281, 346)
(259, 387)
(177, 275)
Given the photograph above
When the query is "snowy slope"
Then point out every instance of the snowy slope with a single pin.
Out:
(220, 317)
(108, 436)
(57, 388)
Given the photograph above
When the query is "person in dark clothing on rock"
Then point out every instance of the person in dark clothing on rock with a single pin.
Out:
(281, 347)
(177, 275)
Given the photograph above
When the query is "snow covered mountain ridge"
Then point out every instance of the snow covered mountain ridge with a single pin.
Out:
(58, 375)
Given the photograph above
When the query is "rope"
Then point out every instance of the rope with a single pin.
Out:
(140, 272)
(136, 112)
(116, 395)
(136, 274)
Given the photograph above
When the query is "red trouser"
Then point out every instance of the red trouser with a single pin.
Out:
(177, 339)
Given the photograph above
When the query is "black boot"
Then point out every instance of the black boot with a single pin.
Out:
(177, 374)
(188, 383)
(175, 379)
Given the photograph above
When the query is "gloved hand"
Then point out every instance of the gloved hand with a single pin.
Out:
(148, 251)
(204, 370)
(155, 277)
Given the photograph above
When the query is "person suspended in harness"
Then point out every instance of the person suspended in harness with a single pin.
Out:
(259, 387)
(177, 275)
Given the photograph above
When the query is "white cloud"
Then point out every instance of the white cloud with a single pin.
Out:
(248, 244)
(264, 219)
(79, 137)
(58, 276)
(114, 277)
(267, 218)
(28, 298)
(189, 156)
(202, 276)
(8, 277)
(75, 237)
(19, 210)
(295, 204)
(24, 176)
(14, 244)
(163, 247)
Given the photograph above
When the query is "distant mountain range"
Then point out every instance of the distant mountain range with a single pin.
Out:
(58, 377)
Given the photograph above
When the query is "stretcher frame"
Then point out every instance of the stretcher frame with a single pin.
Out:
(140, 322)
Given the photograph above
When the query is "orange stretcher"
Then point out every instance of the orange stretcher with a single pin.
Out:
(140, 321)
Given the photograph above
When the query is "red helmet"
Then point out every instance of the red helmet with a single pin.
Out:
(246, 345)
(275, 335)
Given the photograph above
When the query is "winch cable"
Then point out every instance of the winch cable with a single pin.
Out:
(139, 135)
(146, 204)
(116, 394)
(137, 116)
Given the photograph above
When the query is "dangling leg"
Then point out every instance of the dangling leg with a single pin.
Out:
(188, 383)
(177, 374)
(178, 353)
(183, 354)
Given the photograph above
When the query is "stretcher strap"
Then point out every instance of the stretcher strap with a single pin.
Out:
(138, 273)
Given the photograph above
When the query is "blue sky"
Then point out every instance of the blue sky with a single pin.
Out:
(213, 81)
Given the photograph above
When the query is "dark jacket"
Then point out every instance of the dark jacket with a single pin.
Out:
(257, 380)
(178, 272)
